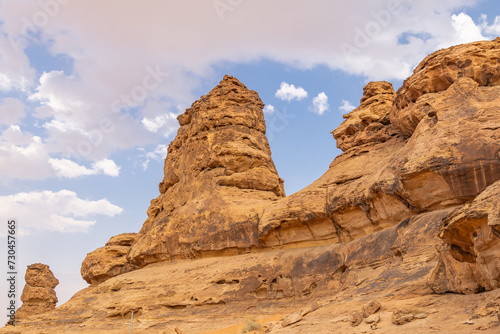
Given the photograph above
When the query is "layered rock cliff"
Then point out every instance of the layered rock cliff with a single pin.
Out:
(406, 214)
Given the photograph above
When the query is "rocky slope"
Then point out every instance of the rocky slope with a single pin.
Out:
(401, 230)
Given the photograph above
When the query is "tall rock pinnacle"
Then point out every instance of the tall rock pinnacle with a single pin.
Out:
(219, 176)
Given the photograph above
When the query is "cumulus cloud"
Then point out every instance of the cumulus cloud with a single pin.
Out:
(465, 29)
(288, 92)
(320, 103)
(346, 106)
(103, 87)
(492, 30)
(61, 211)
(269, 109)
(11, 111)
(23, 155)
(70, 169)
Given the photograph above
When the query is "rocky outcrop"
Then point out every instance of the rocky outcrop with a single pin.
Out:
(470, 260)
(108, 261)
(451, 157)
(437, 72)
(219, 177)
(38, 294)
(409, 211)
(369, 122)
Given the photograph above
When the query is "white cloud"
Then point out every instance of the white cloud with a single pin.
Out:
(346, 106)
(492, 30)
(268, 109)
(15, 70)
(61, 211)
(168, 120)
(289, 92)
(23, 155)
(74, 103)
(70, 169)
(11, 111)
(158, 154)
(465, 29)
(320, 103)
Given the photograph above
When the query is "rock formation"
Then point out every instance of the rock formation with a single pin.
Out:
(38, 294)
(219, 177)
(408, 212)
(108, 261)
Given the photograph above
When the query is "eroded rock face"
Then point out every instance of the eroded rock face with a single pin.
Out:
(368, 122)
(452, 155)
(38, 294)
(108, 261)
(408, 211)
(470, 261)
(219, 177)
(478, 61)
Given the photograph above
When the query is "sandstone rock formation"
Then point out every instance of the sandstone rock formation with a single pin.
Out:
(369, 122)
(108, 261)
(409, 211)
(219, 177)
(470, 260)
(438, 71)
(38, 294)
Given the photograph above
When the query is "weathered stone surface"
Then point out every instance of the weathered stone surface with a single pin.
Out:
(219, 177)
(356, 318)
(470, 262)
(108, 261)
(451, 157)
(402, 316)
(38, 294)
(371, 308)
(291, 319)
(437, 72)
(399, 217)
(368, 122)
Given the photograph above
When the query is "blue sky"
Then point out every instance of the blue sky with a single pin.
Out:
(89, 92)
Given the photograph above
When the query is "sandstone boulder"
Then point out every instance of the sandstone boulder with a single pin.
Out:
(108, 261)
(38, 294)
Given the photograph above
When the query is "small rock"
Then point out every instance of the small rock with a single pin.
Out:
(371, 308)
(291, 319)
(356, 318)
(420, 316)
(401, 316)
(373, 326)
(374, 318)
(311, 308)
(469, 322)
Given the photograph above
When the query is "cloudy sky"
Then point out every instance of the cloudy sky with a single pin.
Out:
(90, 91)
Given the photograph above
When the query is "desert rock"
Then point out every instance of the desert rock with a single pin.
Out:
(408, 212)
(368, 122)
(108, 261)
(470, 261)
(38, 294)
(220, 159)
(437, 72)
